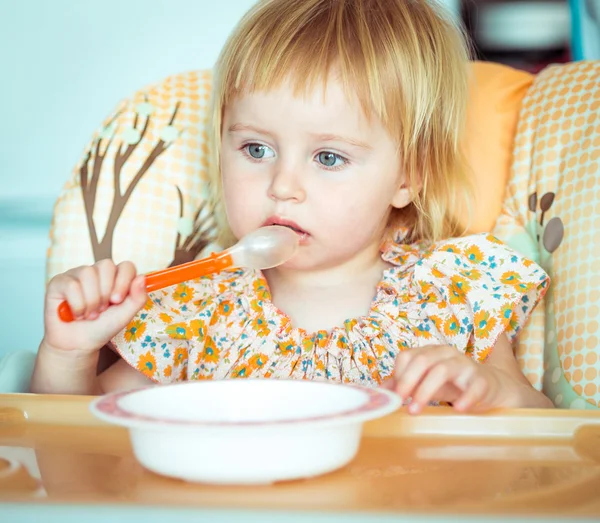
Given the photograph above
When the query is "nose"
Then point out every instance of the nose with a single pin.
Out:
(286, 184)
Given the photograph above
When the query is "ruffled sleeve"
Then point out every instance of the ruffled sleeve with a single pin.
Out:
(470, 291)
(157, 341)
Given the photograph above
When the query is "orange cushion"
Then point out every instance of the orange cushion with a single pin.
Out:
(496, 96)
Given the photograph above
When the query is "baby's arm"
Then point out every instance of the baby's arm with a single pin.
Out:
(442, 373)
(103, 298)
(122, 376)
(60, 372)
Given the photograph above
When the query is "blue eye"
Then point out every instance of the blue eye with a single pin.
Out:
(329, 159)
(258, 151)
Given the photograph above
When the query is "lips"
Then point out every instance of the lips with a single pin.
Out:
(275, 220)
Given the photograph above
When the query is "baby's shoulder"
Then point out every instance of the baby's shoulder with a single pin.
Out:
(476, 248)
(481, 259)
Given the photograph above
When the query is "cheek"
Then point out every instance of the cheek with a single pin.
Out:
(241, 189)
(242, 197)
(238, 175)
(230, 175)
(362, 205)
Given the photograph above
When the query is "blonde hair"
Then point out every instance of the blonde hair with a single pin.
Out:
(405, 60)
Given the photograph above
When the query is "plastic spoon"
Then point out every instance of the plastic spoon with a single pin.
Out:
(263, 248)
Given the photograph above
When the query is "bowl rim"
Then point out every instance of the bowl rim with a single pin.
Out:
(378, 403)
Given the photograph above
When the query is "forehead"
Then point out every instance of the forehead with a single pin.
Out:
(324, 103)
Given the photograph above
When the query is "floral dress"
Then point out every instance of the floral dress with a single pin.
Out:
(463, 292)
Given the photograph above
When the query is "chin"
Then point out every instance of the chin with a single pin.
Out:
(295, 265)
(298, 263)
(304, 260)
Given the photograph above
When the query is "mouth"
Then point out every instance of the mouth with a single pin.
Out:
(287, 223)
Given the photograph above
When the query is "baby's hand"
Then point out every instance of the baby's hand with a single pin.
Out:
(442, 373)
(103, 298)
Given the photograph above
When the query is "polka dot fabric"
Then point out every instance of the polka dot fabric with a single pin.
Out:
(140, 183)
(552, 215)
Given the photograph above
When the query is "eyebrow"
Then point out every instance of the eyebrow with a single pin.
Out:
(339, 138)
(327, 137)
(236, 127)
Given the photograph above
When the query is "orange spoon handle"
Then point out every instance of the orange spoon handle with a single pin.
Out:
(64, 312)
(188, 271)
(173, 275)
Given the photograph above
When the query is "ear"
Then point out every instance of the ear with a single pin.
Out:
(403, 196)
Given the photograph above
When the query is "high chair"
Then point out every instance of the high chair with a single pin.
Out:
(534, 147)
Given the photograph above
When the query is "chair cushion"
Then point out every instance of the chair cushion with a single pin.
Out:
(152, 149)
(550, 214)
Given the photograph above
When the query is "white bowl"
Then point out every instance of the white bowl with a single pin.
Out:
(245, 431)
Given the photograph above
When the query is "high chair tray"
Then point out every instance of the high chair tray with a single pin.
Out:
(57, 460)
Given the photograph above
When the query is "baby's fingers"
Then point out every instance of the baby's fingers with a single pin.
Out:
(90, 285)
(475, 394)
(447, 372)
(107, 271)
(119, 315)
(126, 272)
(137, 296)
(67, 287)
(413, 364)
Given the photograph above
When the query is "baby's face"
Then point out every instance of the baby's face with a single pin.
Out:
(316, 163)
